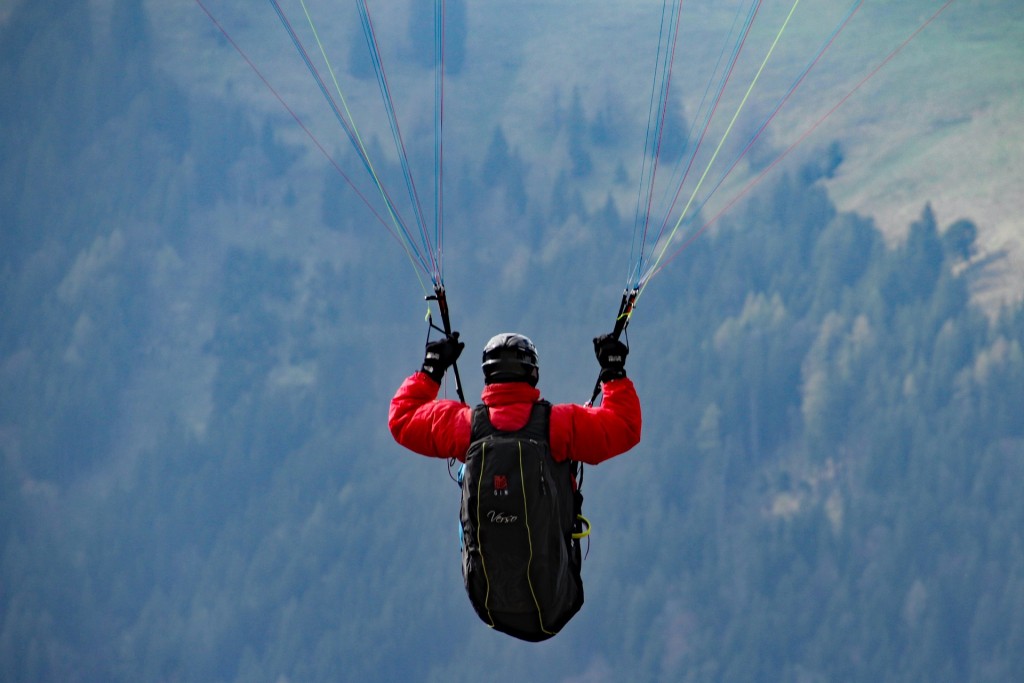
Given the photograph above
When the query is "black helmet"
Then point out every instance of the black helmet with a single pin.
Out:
(510, 357)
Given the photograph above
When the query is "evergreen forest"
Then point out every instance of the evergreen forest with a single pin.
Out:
(201, 334)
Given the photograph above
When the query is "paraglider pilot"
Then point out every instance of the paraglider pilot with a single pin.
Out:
(521, 512)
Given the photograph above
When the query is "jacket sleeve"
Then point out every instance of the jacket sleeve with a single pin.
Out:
(592, 435)
(421, 423)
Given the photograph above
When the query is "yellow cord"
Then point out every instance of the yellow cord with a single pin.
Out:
(586, 531)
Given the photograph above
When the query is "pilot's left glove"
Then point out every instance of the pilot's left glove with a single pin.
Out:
(441, 354)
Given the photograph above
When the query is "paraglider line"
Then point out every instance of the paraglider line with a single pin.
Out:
(728, 130)
(308, 132)
(796, 143)
(692, 151)
(295, 116)
(439, 61)
(641, 218)
(347, 121)
(792, 89)
(662, 114)
(726, 78)
(348, 125)
(396, 132)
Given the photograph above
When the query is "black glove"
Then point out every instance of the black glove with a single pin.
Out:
(611, 354)
(441, 354)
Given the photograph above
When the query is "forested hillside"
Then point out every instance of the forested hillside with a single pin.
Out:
(201, 335)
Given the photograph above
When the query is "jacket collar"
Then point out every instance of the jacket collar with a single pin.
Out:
(504, 393)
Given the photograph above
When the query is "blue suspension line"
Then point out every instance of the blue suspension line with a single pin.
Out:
(347, 127)
(396, 134)
(775, 110)
(723, 81)
(654, 119)
(439, 135)
(686, 161)
(663, 98)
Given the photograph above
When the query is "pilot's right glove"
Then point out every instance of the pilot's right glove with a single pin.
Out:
(440, 355)
(611, 354)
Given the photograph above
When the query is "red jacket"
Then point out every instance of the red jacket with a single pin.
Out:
(441, 429)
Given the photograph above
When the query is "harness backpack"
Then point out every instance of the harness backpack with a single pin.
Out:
(520, 561)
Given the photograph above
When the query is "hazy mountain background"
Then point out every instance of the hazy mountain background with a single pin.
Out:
(202, 326)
